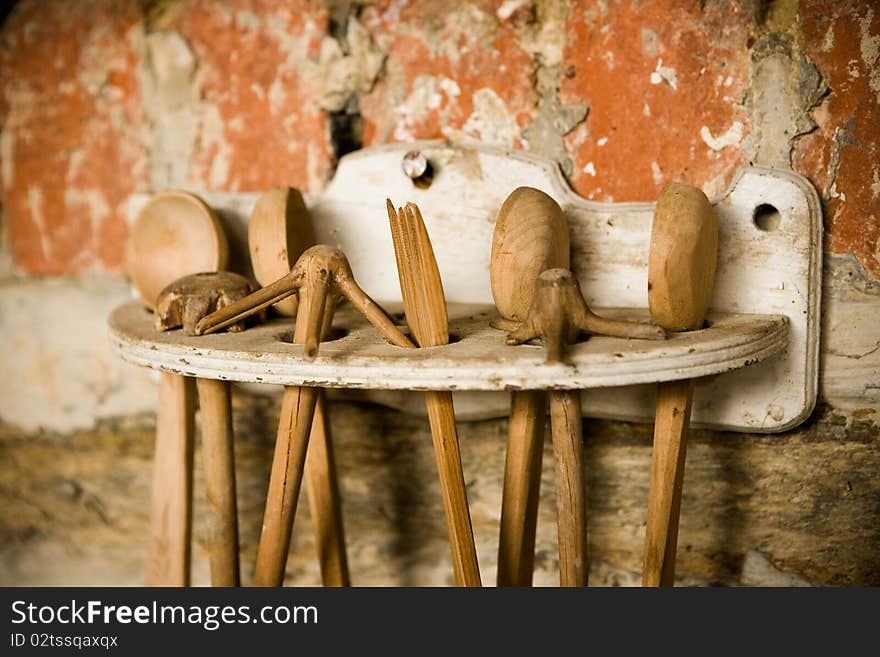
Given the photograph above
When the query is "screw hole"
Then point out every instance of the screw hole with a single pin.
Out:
(766, 217)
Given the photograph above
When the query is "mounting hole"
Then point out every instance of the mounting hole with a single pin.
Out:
(335, 334)
(766, 217)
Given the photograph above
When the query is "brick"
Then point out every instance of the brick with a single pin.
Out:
(70, 147)
(454, 70)
(841, 156)
(663, 82)
(262, 125)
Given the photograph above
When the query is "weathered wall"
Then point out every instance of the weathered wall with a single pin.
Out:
(104, 98)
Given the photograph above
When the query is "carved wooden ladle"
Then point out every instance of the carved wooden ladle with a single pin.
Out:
(321, 277)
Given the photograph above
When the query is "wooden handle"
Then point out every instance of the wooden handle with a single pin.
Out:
(324, 500)
(291, 445)
(297, 412)
(247, 306)
(571, 504)
(674, 401)
(168, 562)
(522, 488)
(441, 417)
(218, 453)
(681, 274)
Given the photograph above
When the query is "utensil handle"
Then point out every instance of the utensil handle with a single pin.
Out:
(215, 415)
(294, 426)
(522, 488)
(168, 560)
(441, 416)
(324, 500)
(571, 504)
(674, 401)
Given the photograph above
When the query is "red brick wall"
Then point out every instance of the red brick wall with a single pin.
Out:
(628, 96)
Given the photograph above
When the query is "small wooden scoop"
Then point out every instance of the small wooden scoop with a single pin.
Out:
(681, 276)
(425, 308)
(175, 234)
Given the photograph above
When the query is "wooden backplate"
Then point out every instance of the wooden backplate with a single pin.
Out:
(771, 265)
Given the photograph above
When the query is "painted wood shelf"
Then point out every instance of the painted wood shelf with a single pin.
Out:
(478, 359)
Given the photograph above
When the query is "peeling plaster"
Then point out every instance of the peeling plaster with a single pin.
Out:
(664, 74)
(170, 104)
(349, 67)
(731, 137)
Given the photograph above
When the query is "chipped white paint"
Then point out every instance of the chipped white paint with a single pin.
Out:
(213, 135)
(35, 204)
(507, 8)
(731, 137)
(589, 169)
(609, 254)
(656, 173)
(428, 93)
(601, 142)
(490, 122)
(664, 74)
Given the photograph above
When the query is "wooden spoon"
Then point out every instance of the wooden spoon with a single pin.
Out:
(425, 309)
(175, 234)
(280, 230)
(531, 235)
(681, 276)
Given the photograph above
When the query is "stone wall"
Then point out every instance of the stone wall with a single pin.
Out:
(105, 98)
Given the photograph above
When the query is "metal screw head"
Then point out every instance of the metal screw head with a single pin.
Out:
(414, 164)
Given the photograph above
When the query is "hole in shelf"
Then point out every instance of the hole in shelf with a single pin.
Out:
(453, 338)
(335, 334)
(766, 217)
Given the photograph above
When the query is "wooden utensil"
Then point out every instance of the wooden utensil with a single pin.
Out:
(425, 309)
(174, 234)
(183, 303)
(558, 316)
(320, 277)
(681, 275)
(531, 235)
(280, 230)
